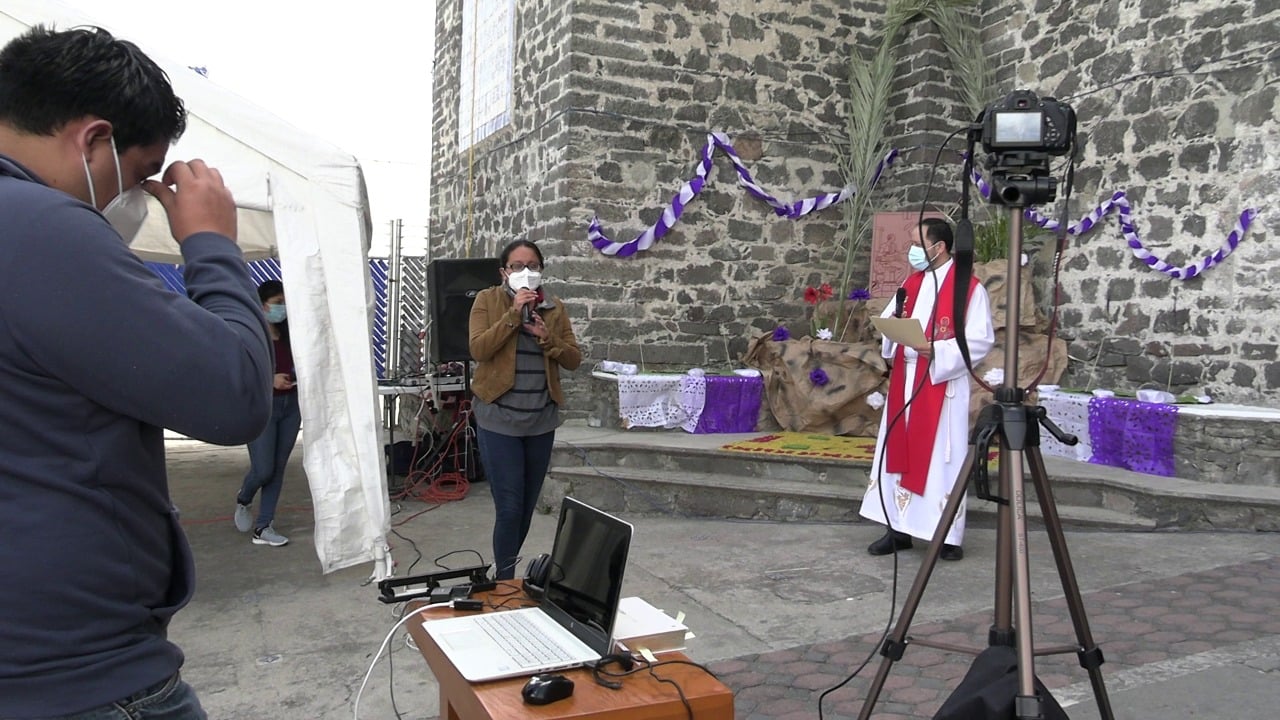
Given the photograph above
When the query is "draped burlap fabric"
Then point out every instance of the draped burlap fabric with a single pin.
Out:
(855, 369)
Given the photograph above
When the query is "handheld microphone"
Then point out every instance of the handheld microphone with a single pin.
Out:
(898, 302)
(526, 315)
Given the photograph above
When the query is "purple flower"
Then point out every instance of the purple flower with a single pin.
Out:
(818, 377)
(781, 333)
(859, 294)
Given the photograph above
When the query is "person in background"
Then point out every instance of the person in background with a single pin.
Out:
(520, 337)
(97, 358)
(928, 404)
(269, 453)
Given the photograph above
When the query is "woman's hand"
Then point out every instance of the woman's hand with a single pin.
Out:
(538, 327)
(525, 297)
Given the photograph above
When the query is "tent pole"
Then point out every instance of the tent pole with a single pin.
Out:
(393, 361)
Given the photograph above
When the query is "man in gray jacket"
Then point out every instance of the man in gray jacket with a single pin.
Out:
(96, 358)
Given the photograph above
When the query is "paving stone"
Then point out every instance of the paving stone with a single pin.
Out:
(918, 684)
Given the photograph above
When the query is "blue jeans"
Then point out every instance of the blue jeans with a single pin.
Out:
(269, 455)
(172, 699)
(515, 468)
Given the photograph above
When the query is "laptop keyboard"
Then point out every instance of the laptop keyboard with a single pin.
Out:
(521, 639)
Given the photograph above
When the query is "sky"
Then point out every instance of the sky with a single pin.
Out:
(357, 76)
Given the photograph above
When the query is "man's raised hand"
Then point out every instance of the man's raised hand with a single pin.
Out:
(195, 199)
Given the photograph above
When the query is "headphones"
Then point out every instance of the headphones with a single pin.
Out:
(535, 576)
(601, 677)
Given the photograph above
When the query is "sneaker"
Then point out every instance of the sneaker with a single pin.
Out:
(244, 521)
(269, 536)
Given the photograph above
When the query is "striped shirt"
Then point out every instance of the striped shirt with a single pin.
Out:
(525, 409)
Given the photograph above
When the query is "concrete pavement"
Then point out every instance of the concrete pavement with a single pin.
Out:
(781, 611)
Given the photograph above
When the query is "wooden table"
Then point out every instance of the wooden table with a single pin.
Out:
(641, 698)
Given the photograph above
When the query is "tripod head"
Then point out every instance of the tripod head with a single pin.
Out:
(1020, 133)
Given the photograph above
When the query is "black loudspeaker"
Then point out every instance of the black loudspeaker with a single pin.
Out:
(452, 286)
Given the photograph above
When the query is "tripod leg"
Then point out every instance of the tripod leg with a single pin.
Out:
(1028, 703)
(895, 644)
(1002, 632)
(1090, 654)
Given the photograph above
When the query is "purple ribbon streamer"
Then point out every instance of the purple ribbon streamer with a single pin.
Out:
(691, 188)
(795, 210)
(1120, 203)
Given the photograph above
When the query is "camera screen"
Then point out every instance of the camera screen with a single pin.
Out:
(1017, 127)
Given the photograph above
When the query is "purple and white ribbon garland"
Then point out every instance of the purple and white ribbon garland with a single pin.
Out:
(1118, 201)
(691, 188)
(795, 210)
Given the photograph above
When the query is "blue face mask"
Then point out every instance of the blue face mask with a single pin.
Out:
(275, 314)
(917, 257)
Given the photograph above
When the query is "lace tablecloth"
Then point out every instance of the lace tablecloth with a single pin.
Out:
(1119, 432)
(696, 403)
(1069, 411)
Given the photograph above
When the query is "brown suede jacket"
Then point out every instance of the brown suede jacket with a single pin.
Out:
(495, 325)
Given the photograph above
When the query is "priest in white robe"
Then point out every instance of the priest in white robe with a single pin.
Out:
(924, 431)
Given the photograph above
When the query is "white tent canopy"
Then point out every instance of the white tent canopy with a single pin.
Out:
(304, 201)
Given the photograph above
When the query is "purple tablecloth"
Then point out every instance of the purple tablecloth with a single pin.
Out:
(733, 404)
(1133, 434)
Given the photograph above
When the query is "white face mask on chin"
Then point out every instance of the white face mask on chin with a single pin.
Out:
(523, 279)
(128, 209)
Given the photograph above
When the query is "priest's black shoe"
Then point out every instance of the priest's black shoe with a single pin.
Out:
(892, 540)
(952, 553)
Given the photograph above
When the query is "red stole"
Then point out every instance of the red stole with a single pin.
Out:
(903, 456)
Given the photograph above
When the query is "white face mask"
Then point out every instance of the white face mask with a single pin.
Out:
(128, 209)
(917, 257)
(523, 279)
(127, 212)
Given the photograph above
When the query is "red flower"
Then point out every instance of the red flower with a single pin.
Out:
(811, 296)
(825, 292)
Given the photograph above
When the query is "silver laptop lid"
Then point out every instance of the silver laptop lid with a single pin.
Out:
(584, 581)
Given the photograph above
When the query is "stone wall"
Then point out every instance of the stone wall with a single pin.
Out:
(612, 123)
(613, 101)
(1176, 109)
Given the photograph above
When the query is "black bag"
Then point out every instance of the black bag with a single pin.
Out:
(988, 690)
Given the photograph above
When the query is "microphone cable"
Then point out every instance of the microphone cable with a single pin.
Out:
(878, 470)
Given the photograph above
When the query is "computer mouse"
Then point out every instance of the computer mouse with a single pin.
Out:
(544, 689)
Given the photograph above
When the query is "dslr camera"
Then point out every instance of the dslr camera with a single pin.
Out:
(1019, 133)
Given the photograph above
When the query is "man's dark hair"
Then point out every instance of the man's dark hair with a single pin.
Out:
(49, 78)
(938, 230)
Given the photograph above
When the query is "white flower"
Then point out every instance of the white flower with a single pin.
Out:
(875, 400)
(1204, 399)
(825, 334)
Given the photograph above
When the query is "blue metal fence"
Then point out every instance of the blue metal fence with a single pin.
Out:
(262, 270)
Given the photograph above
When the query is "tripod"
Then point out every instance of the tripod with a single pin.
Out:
(1017, 425)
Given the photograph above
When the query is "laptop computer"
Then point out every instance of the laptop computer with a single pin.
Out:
(572, 624)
